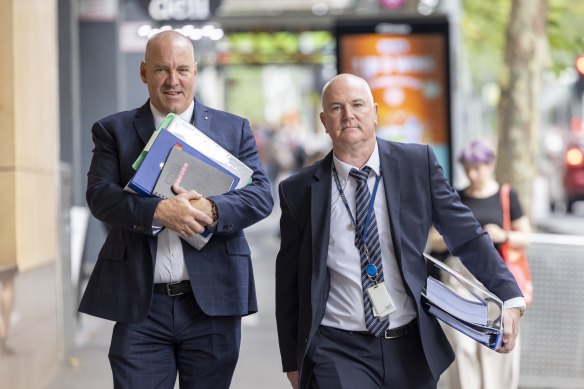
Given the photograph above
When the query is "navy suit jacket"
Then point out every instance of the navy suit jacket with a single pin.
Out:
(418, 195)
(120, 286)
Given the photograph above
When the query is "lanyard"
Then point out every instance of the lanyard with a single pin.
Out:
(362, 235)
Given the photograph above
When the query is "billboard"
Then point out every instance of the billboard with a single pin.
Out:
(406, 64)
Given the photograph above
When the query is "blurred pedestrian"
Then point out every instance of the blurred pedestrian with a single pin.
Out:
(476, 366)
(350, 269)
(176, 309)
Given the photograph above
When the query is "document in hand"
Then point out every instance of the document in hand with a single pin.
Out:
(193, 172)
(464, 304)
(198, 140)
(174, 130)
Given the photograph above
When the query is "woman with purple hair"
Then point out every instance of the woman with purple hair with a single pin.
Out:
(476, 366)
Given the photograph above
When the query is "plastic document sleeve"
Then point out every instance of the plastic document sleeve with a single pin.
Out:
(463, 304)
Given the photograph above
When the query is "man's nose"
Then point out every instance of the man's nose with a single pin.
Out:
(347, 112)
(172, 78)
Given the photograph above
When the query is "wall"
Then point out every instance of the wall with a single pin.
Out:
(29, 170)
(30, 182)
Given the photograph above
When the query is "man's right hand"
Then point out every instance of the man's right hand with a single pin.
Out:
(179, 215)
(293, 378)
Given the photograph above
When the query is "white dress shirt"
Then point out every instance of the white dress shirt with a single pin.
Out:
(170, 262)
(344, 307)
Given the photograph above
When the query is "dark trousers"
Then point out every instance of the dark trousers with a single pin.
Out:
(175, 337)
(340, 359)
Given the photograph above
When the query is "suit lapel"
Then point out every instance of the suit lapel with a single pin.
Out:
(320, 206)
(144, 122)
(320, 210)
(202, 118)
(390, 169)
(144, 126)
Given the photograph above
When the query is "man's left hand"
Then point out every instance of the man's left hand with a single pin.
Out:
(510, 329)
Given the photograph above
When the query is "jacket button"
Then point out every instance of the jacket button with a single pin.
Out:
(228, 227)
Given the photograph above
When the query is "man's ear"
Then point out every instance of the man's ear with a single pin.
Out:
(143, 72)
(322, 121)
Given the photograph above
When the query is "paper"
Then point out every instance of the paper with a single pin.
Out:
(467, 307)
(191, 173)
(175, 130)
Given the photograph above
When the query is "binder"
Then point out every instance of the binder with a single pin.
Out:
(175, 130)
(467, 306)
(192, 172)
(195, 138)
(145, 178)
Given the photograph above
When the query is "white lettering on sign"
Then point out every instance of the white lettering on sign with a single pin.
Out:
(179, 9)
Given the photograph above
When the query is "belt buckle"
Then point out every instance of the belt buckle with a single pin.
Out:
(168, 292)
(385, 334)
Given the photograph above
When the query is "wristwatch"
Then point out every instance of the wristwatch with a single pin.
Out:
(214, 215)
(521, 311)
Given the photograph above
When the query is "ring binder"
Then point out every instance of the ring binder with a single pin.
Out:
(469, 308)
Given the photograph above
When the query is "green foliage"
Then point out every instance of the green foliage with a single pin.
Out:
(565, 30)
(483, 26)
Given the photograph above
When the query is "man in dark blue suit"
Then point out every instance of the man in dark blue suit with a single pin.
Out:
(350, 270)
(177, 309)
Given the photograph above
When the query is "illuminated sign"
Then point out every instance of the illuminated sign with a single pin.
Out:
(182, 9)
(408, 75)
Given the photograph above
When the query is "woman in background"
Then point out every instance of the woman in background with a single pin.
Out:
(476, 366)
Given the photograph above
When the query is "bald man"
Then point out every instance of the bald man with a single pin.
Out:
(350, 270)
(177, 310)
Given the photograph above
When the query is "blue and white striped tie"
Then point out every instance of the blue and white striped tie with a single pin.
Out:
(374, 325)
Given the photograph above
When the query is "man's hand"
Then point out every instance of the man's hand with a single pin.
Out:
(293, 378)
(200, 203)
(510, 329)
(180, 215)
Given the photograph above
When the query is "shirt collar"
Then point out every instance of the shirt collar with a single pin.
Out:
(343, 168)
(159, 116)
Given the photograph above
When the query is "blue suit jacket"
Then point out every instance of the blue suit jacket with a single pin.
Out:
(120, 286)
(418, 195)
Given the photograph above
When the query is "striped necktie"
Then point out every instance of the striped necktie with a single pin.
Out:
(374, 325)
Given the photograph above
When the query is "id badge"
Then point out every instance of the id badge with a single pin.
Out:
(381, 301)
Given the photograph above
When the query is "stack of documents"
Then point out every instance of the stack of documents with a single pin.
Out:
(467, 306)
(193, 172)
(178, 152)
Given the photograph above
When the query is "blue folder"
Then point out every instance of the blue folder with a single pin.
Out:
(144, 180)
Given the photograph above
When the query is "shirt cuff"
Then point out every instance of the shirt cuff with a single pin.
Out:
(156, 229)
(516, 302)
(212, 227)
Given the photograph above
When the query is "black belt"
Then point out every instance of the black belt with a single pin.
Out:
(394, 333)
(173, 288)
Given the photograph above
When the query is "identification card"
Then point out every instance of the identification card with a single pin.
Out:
(381, 300)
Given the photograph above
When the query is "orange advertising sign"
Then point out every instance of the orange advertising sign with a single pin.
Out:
(408, 77)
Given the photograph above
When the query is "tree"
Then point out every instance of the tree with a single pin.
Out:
(526, 51)
(514, 43)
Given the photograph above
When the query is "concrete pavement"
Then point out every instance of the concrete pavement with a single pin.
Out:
(259, 362)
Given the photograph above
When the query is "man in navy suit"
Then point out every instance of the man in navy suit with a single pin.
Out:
(176, 309)
(323, 306)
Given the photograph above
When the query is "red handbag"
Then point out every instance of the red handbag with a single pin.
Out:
(515, 258)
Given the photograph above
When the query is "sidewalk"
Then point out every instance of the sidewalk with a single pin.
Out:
(259, 361)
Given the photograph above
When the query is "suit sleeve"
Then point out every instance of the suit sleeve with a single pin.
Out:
(108, 202)
(464, 236)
